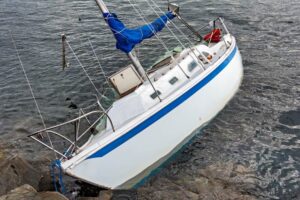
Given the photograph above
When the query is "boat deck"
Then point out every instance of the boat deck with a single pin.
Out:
(166, 80)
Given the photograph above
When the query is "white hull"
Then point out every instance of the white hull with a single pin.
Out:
(123, 163)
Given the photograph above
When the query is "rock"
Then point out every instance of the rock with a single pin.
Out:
(14, 172)
(90, 198)
(224, 181)
(24, 126)
(105, 195)
(27, 192)
(166, 189)
(72, 105)
(241, 169)
(51, 196)
(23, 192)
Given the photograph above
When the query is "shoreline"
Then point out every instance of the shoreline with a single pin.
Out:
(222, 180)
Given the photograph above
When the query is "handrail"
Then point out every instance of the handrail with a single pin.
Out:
(65, 123)
(105, 113)
(43, 143)
(73, 144)
(60, 135)
(89, 128)
(223, 24)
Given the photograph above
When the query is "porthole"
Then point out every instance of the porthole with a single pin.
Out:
(192, 66)
(173, 80)
(154, 95)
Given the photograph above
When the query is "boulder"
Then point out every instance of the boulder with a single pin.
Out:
(27, 192)
(218, 181)
(14, 172)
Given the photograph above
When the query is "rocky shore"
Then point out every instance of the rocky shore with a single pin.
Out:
(20, 179)
(27, 192)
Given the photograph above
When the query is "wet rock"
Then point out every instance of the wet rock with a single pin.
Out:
(241, 169)
(51, 196)
(90, 198)
(23, 192)
(15, 171)
(218, 181)
(290, 118)
(166, 189)
(119, 195)
(105, 195)
(23, 126)
(27, 192)
(72, 105)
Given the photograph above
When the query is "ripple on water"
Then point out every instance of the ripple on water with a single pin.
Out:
(259, 129)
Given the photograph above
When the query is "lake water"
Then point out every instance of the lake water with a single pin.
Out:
(260, 128)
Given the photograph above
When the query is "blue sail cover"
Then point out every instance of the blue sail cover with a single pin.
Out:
(128, 38)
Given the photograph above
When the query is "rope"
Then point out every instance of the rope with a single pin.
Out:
(138, 11)
(174, 35)
(56, 164)
(31, 90)
(95, 55)
(102, 96)
(177, 28)
(198, 61)
(161, 41)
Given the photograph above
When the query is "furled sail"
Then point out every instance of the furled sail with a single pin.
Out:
(128, 38)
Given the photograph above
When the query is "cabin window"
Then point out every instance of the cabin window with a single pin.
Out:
(192, 66)
(154, 95)
(173, 80)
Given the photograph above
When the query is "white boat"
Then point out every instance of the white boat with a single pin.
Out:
(157, 113)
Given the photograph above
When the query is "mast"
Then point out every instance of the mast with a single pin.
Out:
(135, 61)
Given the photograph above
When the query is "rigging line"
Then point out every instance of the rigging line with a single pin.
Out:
(101, 95)
(177, 28)
(174, 35)
(200, 62)
(31, 90)
(144, 19)
(102, 70)
(161, 41)
(167, 25)
(139, 11)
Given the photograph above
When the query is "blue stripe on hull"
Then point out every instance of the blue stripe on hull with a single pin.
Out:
(148, 122)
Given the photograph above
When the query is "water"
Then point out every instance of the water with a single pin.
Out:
(259, 128)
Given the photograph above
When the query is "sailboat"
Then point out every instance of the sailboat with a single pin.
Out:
(158, 111)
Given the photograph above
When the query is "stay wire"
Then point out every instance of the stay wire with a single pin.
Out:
(180, 31)
(161, 41)
(90, 79)
(95, 55)
(31, 90)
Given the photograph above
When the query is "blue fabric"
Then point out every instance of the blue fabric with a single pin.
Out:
(128, 38)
